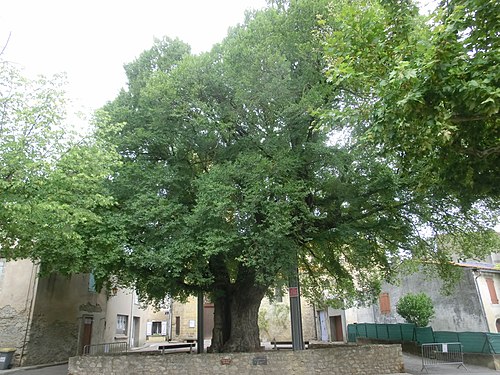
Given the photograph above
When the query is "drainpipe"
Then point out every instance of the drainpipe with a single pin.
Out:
(33, 285)
(315, 322)
(130, 333)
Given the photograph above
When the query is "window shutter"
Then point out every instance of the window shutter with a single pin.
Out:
(491, 288)
(149, 328)
(164, 328)
(385, 303)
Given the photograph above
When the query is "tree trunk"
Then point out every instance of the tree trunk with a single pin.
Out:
(236, 316)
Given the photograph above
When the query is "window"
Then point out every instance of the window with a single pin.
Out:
(156, 328)
(385, 303)
(278, 294)
(491, 288)
(177, 325)
(121, 324)
(92, 288)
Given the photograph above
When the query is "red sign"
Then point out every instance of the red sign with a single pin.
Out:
(293, 291)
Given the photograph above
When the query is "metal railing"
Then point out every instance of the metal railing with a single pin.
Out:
(436, 354)
(106, 348)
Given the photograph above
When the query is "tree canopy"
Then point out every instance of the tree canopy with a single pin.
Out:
(52, 184)
(230, 177)
(423, 90)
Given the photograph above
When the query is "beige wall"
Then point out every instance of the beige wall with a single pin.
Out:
(126, 303)
(43, 317)
(17, 289)
(274, 319)
(186, 314)
(61, 305)
(491, 310)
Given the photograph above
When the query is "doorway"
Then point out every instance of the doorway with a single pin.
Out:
(134, 340)
(322, 325)
(208, 320)
(337, 333)
(86, 332)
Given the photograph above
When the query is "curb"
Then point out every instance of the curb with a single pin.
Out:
(34, 367)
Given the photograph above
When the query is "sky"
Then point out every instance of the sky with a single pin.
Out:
(91, 40)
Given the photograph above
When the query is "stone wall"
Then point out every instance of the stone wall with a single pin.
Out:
(13, 325)
(50, 341)
(459, 311)
(345, 359)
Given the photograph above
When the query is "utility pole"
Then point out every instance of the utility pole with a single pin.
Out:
(200, 338)
(295, 312)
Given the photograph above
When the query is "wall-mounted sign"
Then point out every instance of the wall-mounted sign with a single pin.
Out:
(260, 360)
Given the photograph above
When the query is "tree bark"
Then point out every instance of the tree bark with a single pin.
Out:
(244, 311)
(236, 316)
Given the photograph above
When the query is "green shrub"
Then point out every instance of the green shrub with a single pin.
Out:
(416, 308)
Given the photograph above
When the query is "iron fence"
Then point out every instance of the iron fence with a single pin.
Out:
(106, 348)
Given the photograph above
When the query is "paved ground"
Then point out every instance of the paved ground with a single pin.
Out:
(61, 369)
(413, 365)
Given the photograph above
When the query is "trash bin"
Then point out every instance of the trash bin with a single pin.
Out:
(6, 355)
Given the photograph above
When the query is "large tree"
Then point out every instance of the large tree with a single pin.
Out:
(231, 180)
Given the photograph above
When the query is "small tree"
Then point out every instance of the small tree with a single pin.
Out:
(416, 308)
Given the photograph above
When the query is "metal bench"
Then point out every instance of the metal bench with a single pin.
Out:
(180, 345)
(277, 345)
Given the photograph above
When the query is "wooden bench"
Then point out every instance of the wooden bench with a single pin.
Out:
(277, 345)
(177, 345)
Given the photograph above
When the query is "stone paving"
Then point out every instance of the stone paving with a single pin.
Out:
(413, 365)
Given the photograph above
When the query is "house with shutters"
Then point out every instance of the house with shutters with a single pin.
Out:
(473, 304)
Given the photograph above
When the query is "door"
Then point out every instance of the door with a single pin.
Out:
(86, 332)
(336, 328)
(322, 326)
(208, 321)
(134, 341)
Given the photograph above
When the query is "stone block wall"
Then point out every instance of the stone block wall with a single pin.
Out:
(346, 359)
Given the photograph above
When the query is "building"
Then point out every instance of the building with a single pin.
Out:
(473, 304)
(51, 318)
(48, 319)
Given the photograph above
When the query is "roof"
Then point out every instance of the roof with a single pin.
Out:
(483, 266)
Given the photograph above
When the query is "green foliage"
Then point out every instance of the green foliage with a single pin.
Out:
(51, 183)
(424, 91)
(416, 308)
(228, 174)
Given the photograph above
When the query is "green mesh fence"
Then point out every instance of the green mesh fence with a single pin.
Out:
(493, 341)
(424, 335)
(446, 336)
(393, 332)
(472, 342)
(408, 331)
(351, 332)
(382, 332)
